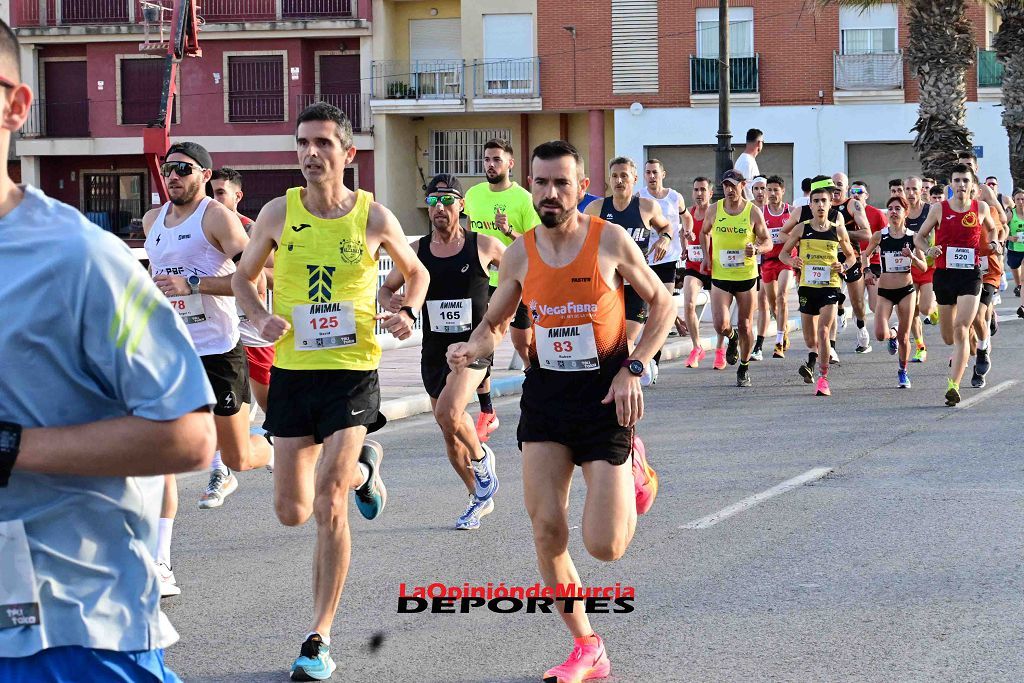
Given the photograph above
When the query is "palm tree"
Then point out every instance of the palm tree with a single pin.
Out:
(1009, 45)
(940, 48)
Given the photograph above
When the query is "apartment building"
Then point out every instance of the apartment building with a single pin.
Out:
(262, 61)
(829, 86)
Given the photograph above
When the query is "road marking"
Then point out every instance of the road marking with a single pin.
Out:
(988, 393)
(735, 508)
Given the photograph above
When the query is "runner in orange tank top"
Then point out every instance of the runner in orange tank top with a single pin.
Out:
(985, 323)
(582, 397)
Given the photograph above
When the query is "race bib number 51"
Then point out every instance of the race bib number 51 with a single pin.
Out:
(324, 326)
(731, 258)
(567, 349)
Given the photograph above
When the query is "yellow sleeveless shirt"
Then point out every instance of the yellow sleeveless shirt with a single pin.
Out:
(730, 236)
(325, 284)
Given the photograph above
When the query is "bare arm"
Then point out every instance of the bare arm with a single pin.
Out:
(786, 255)
(120, 447)
(387, 295)
(763, 241)
(931, 221)
(792, 221)
(995, 231)
(865, 256)
(265, 235)
(224, 231)
(490, 251)
(917, 259)
(992, 200)
(705, 236)
(594, 208)
(847, 248)
(383, 224)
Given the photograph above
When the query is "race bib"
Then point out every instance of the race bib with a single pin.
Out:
(567, 349)
(324, 326)
(817, 275)
(960, 258)
(450, 316)
(776, 234)
(694, 253)
(1019, 237)
(731, 258)
(190, 308)
(896, 262)
(19, 596)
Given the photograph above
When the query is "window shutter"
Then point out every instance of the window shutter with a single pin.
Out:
(634, 46)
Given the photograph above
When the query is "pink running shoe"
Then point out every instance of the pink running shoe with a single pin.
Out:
(719, 359)
(696, 356)
(485, 424)
(588, 661)
(822, 388)
(645, 479)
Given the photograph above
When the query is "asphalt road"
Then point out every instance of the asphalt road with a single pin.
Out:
(904, 563)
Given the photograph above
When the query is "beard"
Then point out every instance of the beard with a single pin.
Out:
(553, 220)
(187, 195)
(497, 178)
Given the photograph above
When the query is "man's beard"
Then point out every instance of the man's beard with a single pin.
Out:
(498, 178)
(553, 220)
(187, 195)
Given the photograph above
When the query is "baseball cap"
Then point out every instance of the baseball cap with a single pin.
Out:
(733, 176)
(826, 184)
(450, 182)
(194, 151)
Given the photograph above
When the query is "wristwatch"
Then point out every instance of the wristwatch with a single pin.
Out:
(10, 441)
(193, 283)
(635, 367)
(408, 311)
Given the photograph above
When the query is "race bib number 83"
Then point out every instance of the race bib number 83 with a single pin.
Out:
(567, 349)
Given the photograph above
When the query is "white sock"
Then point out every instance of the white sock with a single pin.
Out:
(326, 639)
(364, 476)
(983, 344)
(217, 463)
(780, 337)
(163, 540)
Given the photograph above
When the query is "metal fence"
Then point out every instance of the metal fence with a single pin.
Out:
(355, 105)
(384, 266)
(990, 70)
(238, 10)
(869, 71)
(57, 120)
(506, 78)
(743, 74)
(25, 13)
(419, 79)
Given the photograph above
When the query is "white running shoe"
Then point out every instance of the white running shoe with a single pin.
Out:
(168, 585)
(221, 485)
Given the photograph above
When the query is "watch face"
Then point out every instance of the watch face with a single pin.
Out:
(193, 280)
(636, 367)
(8, 440)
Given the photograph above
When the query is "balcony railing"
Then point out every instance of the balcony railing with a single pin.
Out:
(743, 73)
(506, 78)
(57, 120)
(990, 70)
(420, 79)
(255, 108)
(869, 71)
(355, 105)
(25, 13)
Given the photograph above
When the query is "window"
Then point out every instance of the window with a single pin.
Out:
(435, 55)
(868, 31)
(141, 88)
(461, 152)
(508, 54)
(113, 200)
(262, 185)
(256, 88)
(741, 32)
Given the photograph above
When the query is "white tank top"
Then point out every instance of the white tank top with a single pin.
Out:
(669, 207)
(184, 250)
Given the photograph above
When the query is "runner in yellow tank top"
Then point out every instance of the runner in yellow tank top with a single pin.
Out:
(325, 387)
(736, 229)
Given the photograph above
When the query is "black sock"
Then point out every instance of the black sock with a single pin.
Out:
(732, 335)
(812, 358)
(485, 402)
(657, 356)
(833, 343)
(860, 324)
(759, 342)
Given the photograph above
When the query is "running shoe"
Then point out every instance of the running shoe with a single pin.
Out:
(933, 317)
(822, 388)
(1020, 311)
(486, 423)
(372, 496)
(982, 363)
(920, 356)
(719, 359)
(904, 379)
(743, 375)
(785, 340)
(780, 351)
(732, 349)
(695, 357)
(645, 479)
(997, 298)
(221, 485)
(977, 379)
(650, 375)
(168, 585)
(894, 345)
(757, 354)
(833, 357)
(952, 394)
(863, 343)
(585, 663)
(654, 371)
(475, 511)
(485, 476)
(806, 371)
(314, 662)
(993, 326)
(1016, 290)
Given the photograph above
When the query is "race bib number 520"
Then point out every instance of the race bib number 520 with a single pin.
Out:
(324, 326)
(572, 348)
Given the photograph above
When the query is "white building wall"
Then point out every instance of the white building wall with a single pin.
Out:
(818, 133)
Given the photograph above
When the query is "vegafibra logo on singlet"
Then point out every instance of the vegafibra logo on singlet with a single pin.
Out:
(439, 598)
(570, 308)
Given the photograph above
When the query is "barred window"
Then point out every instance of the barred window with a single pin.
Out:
(461, 151)
(256, 88)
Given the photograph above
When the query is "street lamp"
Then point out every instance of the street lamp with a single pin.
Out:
(572, 32)
(723, 153)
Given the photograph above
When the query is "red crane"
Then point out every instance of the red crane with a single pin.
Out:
(180, 20)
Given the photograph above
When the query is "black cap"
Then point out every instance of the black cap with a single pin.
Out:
(450, 182)
(193, 150)
(733, 176)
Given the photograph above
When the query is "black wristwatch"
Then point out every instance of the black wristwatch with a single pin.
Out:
(635, 367)
(10, 441)
(408, 311)
(193, 283)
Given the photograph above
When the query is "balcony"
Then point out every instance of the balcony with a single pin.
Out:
(57, 120)
(742, 75)
(868, 77)
(355, 105)
(506, 84)
(990, 70)
(26, 13)
(419, 86)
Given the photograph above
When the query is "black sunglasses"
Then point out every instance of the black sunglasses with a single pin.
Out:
(445, 200)
(182, 168)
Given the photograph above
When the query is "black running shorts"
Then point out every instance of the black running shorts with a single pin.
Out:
(666, 272)
(734, 286)
(435, 371)
(318, 403)
(987, 292)
(636, 307)
(951, 283)
(229, 376)
(705, 279)
(586, 440)
(813, 299)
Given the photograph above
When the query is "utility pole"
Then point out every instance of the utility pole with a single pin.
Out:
(723, 153)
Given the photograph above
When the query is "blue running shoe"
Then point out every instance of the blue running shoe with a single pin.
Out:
(904, 379)
(484, 475)
(314, 662)
(894, 345)
(470, 519)
(372, 496)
